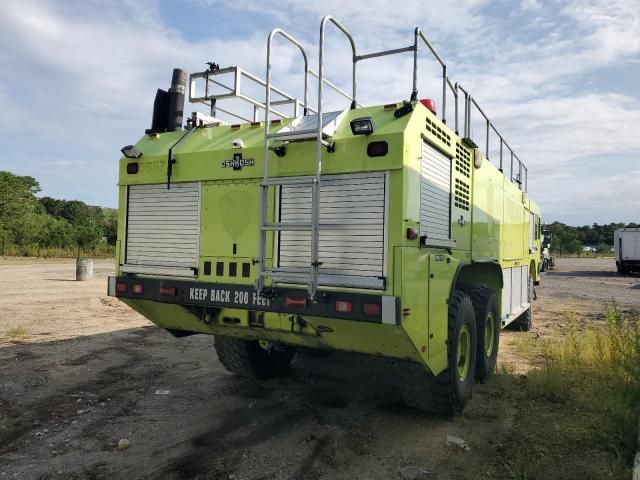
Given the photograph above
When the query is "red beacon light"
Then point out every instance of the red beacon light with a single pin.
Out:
(430, 104)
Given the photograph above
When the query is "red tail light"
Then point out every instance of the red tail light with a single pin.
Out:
(296, 302)
(412, 234)
(344, 306)
(371, 308)
(121, 287)
(276, 122)
(168, 291)
(137, 288)
(390, 106)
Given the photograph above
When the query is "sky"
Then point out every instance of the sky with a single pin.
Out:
(559, 79)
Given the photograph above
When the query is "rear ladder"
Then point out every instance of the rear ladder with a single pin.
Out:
(299, 129)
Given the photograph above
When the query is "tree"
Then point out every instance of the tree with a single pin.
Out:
(110, 225)
(21, 215)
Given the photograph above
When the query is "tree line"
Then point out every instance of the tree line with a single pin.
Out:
(29, 224)
(568, 239)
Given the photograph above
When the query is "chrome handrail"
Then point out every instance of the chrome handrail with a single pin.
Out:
(469, 102)
(267, 111)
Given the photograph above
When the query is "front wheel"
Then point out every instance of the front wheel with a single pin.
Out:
(448, 392)
(524, 323)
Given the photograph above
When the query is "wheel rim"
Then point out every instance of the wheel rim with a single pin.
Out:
(489, 333)
(464, 352)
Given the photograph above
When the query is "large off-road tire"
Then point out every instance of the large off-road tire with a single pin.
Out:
(485, 305)
(248, 359)
(448, 392)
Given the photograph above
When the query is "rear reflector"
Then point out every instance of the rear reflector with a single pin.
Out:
(344, 306)
(412, 233)
(390, 106)
(276, 122)
(296, 302)
(137, 288)
(168, 291)
(371, 308)
(256, 124)
(121, 287)
(132, 168)
(236, 125)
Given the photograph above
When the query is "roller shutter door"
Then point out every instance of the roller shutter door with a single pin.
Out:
(352, 234)
(435, 195)
(163, 226)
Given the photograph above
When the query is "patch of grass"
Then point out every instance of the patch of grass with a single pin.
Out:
(15, 332)
(525, 344)
(586, 396)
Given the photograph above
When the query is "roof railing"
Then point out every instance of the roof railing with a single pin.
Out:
(518, 176)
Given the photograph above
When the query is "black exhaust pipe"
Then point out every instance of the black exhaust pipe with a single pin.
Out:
(176, 99)
(168, 107)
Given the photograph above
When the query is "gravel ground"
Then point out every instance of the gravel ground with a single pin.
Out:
(80, 371)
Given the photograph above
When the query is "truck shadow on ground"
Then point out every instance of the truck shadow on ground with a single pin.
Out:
(65, 405)
(588, 273)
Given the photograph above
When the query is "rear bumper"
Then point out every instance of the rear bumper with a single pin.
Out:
(361, 307)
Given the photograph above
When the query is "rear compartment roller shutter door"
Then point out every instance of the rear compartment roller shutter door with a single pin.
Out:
(435, 195)
(355, 247)
(163, 226)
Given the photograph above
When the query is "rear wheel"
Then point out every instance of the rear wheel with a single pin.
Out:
(448, 392)
(248, 358)
(485, 304)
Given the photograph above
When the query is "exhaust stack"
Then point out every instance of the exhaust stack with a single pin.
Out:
(176, 99)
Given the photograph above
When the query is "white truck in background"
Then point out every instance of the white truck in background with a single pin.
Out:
(626, 245)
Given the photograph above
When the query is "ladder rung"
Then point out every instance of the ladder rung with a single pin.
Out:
(295, 134)
(287, 226)
(284, 276)
(289, 181)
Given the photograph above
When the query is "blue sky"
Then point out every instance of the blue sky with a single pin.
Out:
(560, 79)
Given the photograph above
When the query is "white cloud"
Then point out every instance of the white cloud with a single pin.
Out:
(85, 73)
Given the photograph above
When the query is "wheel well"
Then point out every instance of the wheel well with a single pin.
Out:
(485, 273)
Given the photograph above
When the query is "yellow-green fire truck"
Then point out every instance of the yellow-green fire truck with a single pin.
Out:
(376, 229)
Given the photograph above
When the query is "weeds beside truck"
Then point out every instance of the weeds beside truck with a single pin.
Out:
(374, 229)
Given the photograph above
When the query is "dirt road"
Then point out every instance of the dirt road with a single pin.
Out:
(79, 371)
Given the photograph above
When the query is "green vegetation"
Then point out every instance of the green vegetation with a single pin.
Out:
(18, 331)
(33, 226)
(570, 240)
(586, 397)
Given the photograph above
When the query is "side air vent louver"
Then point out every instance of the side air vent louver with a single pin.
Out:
(462, 194)
(463, 160)
(439, 133)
